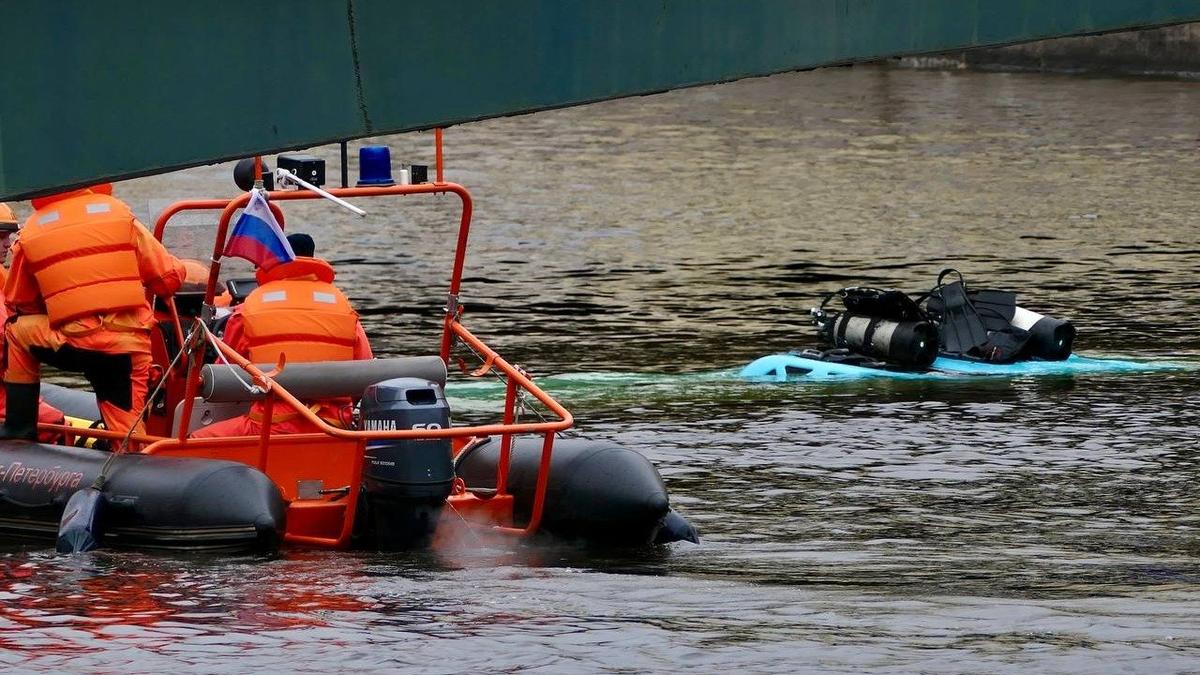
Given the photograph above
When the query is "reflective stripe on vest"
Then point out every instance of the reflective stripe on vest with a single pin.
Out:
(81, 251)
(307, 320)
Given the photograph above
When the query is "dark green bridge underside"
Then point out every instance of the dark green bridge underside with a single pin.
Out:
(122, 88)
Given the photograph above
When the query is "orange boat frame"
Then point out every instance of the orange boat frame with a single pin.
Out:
(333, 456)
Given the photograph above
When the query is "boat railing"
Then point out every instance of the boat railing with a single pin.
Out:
(262, 449)
(508, 428)
(269, 444)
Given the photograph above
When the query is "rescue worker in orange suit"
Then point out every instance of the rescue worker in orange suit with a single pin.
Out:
(296, 310)
(8, 227)
(78, 287)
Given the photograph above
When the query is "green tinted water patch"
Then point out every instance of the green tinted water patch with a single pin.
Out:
(593, 388)
(602, 389)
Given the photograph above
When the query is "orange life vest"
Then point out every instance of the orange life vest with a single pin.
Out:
(82, 252)
(3, 306)
(298, 311)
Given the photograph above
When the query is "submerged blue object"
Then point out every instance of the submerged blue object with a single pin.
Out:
(374, 166)
(782, 367)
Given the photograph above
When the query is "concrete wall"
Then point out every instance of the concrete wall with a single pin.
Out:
(1172, 51)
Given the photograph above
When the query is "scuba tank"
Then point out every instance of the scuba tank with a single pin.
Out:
(912, 344)
(884, 324)
(1051, 339)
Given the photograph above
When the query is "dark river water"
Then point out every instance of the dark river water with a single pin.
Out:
(634, 254)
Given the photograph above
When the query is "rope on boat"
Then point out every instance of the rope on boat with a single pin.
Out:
(250, 387)
(186, 348)
(470, 529)
(523, 402)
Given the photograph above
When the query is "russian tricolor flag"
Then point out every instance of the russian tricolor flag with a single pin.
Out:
(257, 237)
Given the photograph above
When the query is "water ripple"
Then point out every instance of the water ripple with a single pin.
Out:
(633, 254)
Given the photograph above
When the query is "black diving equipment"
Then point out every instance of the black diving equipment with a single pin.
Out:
(988, 324)
(912, 344)
(883, 303)
(1050, 339)
(962, 328)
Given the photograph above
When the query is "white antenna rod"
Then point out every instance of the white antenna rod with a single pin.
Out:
(284, 176)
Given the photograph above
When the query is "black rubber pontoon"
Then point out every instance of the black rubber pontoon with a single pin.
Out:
(150, 501)
(598, 493)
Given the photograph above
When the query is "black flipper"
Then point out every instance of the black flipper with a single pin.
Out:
(996, 308)
(962, 329)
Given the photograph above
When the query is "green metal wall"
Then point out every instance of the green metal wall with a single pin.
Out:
(120, 88)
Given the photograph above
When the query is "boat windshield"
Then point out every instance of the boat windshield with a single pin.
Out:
(190, 235)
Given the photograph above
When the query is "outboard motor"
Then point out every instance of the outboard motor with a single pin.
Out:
(405, 482)
(1050, 338)
(907, 343)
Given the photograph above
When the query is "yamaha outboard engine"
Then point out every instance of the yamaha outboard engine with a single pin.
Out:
(405, 482)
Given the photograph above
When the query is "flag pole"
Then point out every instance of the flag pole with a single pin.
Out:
(258, 179)
(437, 143)
(285, 175)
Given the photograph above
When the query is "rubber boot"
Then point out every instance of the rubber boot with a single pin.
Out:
(21, 415)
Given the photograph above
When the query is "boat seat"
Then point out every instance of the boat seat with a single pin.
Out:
(322, 379)
(224, 394)
(205, 413)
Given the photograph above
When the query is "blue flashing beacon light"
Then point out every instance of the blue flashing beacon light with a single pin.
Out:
(374, 166)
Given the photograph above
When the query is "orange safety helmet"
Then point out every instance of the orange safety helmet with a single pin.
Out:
(8, 220)
(98, 189)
